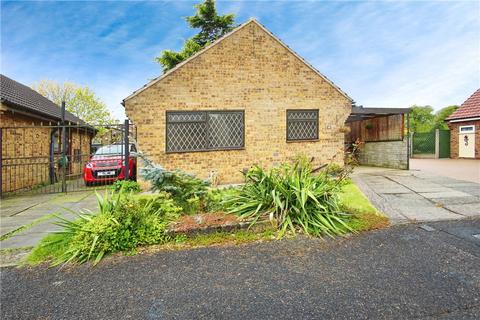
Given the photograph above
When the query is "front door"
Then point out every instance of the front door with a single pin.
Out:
(466, 141)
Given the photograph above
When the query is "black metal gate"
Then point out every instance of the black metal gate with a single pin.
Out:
(64, 158)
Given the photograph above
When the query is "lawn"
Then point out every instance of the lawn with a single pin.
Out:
(366, 216)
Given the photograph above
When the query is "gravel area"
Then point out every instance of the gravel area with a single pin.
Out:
(404, 272)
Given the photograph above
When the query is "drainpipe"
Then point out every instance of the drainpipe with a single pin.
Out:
(64, 150)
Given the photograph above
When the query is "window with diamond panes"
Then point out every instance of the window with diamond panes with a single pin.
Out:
(302, 125)
(205, 130)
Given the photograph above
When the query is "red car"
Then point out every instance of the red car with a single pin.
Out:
(107, 165)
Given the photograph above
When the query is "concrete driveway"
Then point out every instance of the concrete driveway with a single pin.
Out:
(412, 196)
(461, 169)
(33, 216)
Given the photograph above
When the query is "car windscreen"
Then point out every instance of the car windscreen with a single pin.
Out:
(110, 149)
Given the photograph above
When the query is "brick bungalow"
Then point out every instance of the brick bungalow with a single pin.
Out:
(464, 126)
(247, 98)
(31, 138)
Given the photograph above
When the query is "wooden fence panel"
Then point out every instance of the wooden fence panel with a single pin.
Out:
(382, 128)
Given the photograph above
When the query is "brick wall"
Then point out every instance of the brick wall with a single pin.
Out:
(250, 71)
(389, 154)
(454, 137)
(26, 151)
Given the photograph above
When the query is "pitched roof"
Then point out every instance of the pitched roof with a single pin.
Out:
(20, 96)
(469, 109)
(252, 20)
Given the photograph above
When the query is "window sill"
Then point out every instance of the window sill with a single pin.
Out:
(210, 150)
(309, 140)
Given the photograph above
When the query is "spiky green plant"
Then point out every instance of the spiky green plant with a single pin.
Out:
(293, 197)
(122, 224)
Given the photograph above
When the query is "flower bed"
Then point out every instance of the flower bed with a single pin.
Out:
(211, 222)
(292, 198)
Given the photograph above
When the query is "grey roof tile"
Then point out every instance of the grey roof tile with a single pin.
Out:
(19, 95)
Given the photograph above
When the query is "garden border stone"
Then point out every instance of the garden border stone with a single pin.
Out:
(259, 226)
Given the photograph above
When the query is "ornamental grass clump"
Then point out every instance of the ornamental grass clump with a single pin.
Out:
(123, 223)
(293, 197)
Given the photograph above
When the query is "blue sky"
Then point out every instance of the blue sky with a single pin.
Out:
(381, 53)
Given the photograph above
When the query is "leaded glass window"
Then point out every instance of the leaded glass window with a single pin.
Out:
(302, 125)
(205, 130)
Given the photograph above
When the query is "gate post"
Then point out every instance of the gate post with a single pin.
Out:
(410, 144)
(63, 161)
(127, 148)
(437, 143)
(409, 139)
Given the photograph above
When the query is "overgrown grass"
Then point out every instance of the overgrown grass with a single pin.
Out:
(50, 248)
(217, 238)
(364, 215)
(53, 246)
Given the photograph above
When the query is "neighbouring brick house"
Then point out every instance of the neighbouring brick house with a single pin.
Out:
(246, 99)
(31, 140)
(464, 126)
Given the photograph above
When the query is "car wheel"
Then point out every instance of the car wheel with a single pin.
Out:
(88, 184)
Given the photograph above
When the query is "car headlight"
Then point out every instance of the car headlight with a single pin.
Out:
(89, 165)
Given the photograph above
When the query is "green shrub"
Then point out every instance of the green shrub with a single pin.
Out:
(215, 199)
(161, 203)
(188, 191)
(122, 224)
(126, 186)
(293, 197)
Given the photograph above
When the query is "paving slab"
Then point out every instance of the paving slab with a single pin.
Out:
(468, 209)
(459, 200)
(428, 213)
(38, 208)
(411, 196)
(445, 194)
(406, 200)
(20, 241)
(474, 191)
(14, 205)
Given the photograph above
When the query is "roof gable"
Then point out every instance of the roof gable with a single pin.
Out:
(15, 94)
(171, 71)
(469, 109)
